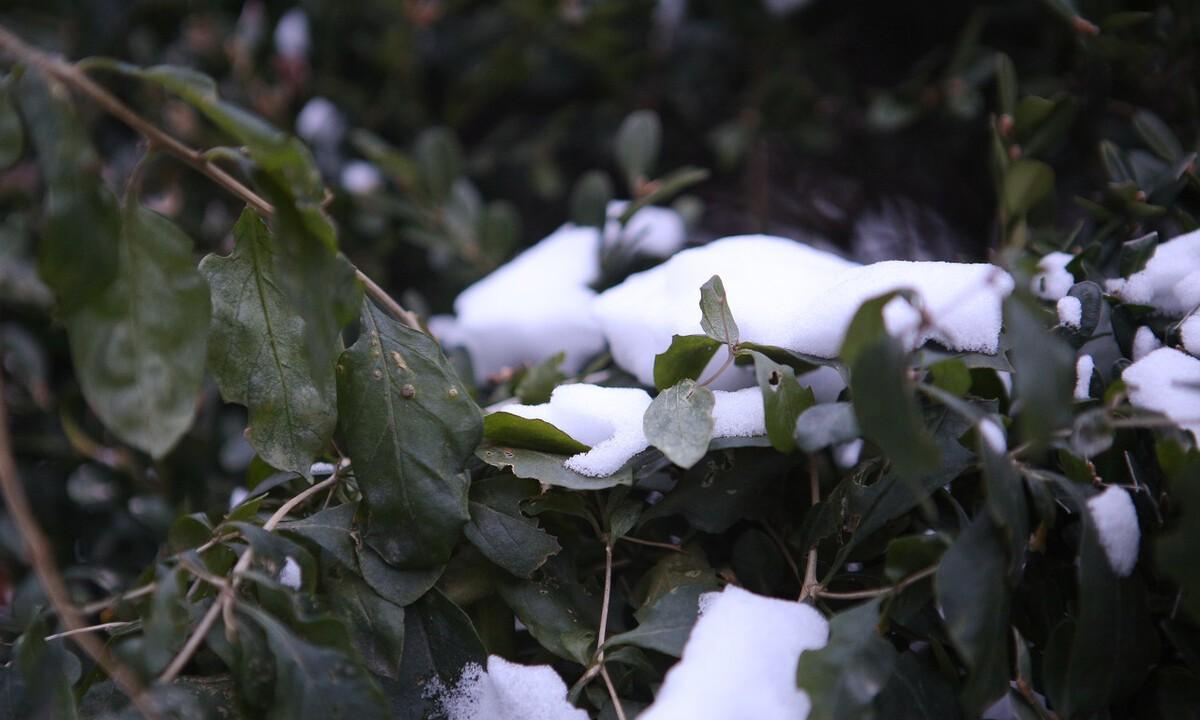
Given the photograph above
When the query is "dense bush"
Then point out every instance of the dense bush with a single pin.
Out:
(255, 484)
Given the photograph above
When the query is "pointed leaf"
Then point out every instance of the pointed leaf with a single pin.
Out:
(665, 625)
(716, 318)
(679, 422)
(685, 359)
(507, 429)
(843, 678)
(783, 400)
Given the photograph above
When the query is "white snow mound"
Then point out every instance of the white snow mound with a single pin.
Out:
(1170, 281)
(1189, 333)
(1117, 525)
(1167, 381)
(655, 231)
(1053, 280)
(1084, 366)
(740, 661)
(1144, 342)
(1070, 311)
(508, 691)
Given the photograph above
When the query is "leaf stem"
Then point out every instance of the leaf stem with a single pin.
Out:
(75, 78)
(811, 586)
(41, 557)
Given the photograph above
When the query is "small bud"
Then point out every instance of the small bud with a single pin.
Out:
(1005, 125)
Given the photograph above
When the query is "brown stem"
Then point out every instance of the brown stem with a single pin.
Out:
(608, 683)
(41, 557)
(652, 543)
(73, 77)
(810, 587)
(876, 592)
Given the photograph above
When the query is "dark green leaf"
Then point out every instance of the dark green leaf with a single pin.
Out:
(1157, 136)
(12, 135)
(552, 616)
(1026, 184)
(723, 489)
(331, 529)
(916, 690)
(1045, 373)
(376, 625)
(272, 550)
(501, 532)
(1006, 83)
(973, 593)
(1136, 253)
(1091, 303)
(540, 380)
(1006, 499)
(679, 422)
(911, 554)
(439, 641)
(685, 359)
(843, 678)
(783, 400)
(47, 670)
(260, 354)
(952, 376)
(439, 158)
(139, 346)
(826, 424)
(507, 429)
(887, 409)
(716, 318)
(168, 624)
(399, 587)
(548, 468)
(664, 188)
(637, 145)
(1178, 549)
(410, 426)
(590, 198)
(665, 625)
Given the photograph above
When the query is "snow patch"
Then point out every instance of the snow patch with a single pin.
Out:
(1167, 381)
(846, 454)
(1070, 311)
(360, 177)
(1053, 280)
(1170, 281)
(1084, 366)
(289, 575)
(1144, 342)
(1117, 525)
(739, 413)
(655, 231)
(508, 691)
(993, 435)
(740, 660)
(1189, 333)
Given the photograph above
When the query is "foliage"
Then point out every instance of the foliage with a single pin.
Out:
(145, 384)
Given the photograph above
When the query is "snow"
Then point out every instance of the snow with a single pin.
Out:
(291, 34)
(1189, 333)
(740, 661)
(1053, 280)
(1144, 342)
(992, 433)
(1170, 281)
(289, 575)
(1167, 381)
(360, 177)
(655, 231)
(321, 468)
(791, 295)
(1084, 366)
(237, 496)
(1117, 525)
(739, 413)
(1070, 311)
(846, 454)
(320, 122)
(508, 691)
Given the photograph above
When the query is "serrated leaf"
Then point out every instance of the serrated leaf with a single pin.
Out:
(679, 422)
(843, 678)
(260, 350)
(783, 400)
(12, 135)
(664, 626)
(532, 434)
(825, 424)
(77, 203)
(716, 318)
(589, 199)
(139, 346)
(685, 359)
(637, 145)
(410, 426)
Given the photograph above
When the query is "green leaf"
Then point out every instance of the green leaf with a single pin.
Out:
(439, 158)
(139, 345)
(952, 376)
(439, 641)
(1091, 306)
(826, 424)
(260, 350)
(553, 613)
(716, 319)
(843, 678)
(783, 400)
(973, 593)
(532, 434)
(331, 529)
(168, 624)
(637, 145)
(1157, 136)
(1178, 548)
(1006, 500)
(48, 670)
(911, 554)
(685, 359)
(376, 625)
(548, 468)
(664, 188)
(887, 410)
(272, 550)
(679, 422)
(664, 626)
(589, 199)
(410, 426)
(1026, 184)
(916, 690)
(12, 135)
(539, 381)
(1006, 83)
(77, 203)
(316, 675)
(726, 487)
(1136, 253)
(1045, 373)
(501, 532)
(397, 586)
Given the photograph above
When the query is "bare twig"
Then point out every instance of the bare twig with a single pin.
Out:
(91, 628)
(97, 606)
(603, 633)
(810, 586)
(76, 79)
(41, 557)
(652, 543)
(876, 592)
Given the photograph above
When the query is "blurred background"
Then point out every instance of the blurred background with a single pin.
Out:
(452, 133)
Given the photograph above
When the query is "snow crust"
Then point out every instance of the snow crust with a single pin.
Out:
(654, 231)
(508, 691)
(1144, 342)
(794, 296)
(1167, 381)
(1084, 365)
(1189, 332)
(1170, 281)
(1070, 311)
(740, 661)
(1053, 280)
(1117, 525)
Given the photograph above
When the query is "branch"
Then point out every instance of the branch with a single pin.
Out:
(876, 592)
(76, 79)
(41, 557)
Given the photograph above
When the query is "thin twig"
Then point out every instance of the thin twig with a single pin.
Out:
(41, 557)
(876, 592)
(603, 633)
(90, 628)
(95, 607)
(652, 543)
(73, 77)
(810, 586)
